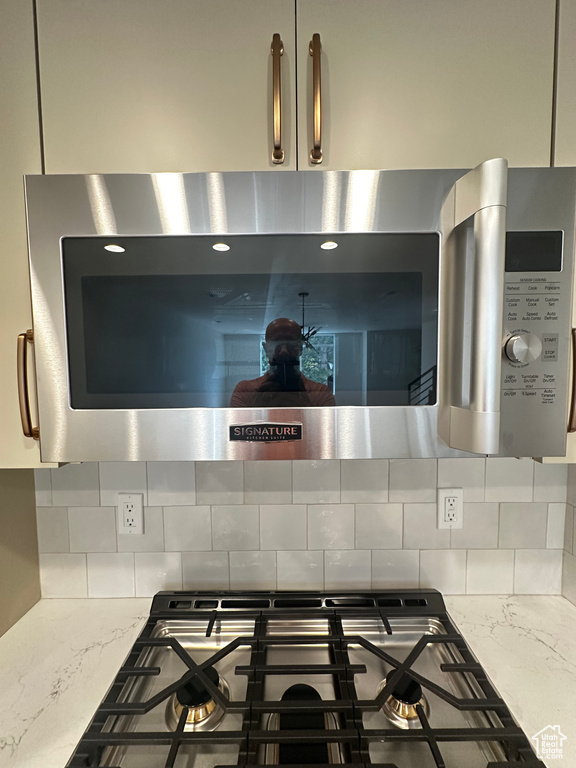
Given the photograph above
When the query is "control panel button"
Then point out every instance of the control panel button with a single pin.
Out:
(523, 348)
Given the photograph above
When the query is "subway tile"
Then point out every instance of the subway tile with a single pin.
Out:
(252, 570)
(490, 572)
(75, 485)
(111, 575)
(235, 527)
(413, 480)
(219, 482)
(522, 526)
(92, 529)
(43, 487)
(152, 540)
(300, 570)
(205, 570)
(331, 526)
(316, 482)
(171, 483)
(364, 480)
(395, 568)
(420, 528)
(444, 569)
(63, 575)
(122, 477)
(479, 527)
(157, 571)
(555, 526)
(283, 526)
(569, 529)
(468, 474)
(378, 526)
(347, 570)
(187, 529)
(550, 482)
(52, 529)
(267, 482)
(538, 572)
(509, 479)
(569, 577)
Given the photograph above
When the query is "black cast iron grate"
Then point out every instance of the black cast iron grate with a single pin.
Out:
(351, 735)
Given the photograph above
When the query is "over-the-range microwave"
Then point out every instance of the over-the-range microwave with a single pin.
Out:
(291, 315)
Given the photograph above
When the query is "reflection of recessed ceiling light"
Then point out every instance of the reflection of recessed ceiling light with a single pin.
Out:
(221, 247)
(329, 245)
(114, 248)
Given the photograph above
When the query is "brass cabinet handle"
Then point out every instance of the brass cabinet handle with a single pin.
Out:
(23, 396)
(277, 50)
(572, 417)
(315, 49)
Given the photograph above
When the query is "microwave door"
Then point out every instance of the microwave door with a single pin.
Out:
(471, 299)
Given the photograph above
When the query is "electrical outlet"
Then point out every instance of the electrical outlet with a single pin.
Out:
(130, 513)
(450, 507)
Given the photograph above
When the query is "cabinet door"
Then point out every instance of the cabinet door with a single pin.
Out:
(428, 83)
(163, 85)
(19, 154)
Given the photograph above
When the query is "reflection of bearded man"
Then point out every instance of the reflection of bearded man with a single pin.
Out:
(284, 385)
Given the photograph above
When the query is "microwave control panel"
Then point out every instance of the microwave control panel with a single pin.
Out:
(535, 354)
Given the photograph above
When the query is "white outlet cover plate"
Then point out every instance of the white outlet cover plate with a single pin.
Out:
(458, 495)
(137, 500)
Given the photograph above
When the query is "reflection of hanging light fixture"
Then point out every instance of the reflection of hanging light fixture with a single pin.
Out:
(307, 335)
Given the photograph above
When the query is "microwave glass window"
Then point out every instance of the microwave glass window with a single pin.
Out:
(274, 321)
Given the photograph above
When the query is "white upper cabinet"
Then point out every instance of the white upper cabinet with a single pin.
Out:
(428, 83)
(163, 85)
(565, 144)
(19, 154)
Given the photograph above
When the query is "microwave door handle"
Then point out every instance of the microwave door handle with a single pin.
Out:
(277, 50)
(23, 396)
(572, 417)
(480, 194)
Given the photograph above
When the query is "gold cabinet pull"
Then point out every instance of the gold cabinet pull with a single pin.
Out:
(315, 49)
(572, 417)
(277, 50)
(23, 396)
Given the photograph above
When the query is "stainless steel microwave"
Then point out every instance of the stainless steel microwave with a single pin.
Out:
(430, 314)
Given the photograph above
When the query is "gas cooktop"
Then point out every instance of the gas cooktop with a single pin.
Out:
(378, 678)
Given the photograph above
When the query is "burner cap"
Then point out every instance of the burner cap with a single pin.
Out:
(194, 693)
(407, 690)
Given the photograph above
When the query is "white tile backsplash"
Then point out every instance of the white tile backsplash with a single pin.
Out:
(52, 529)
(378, 526)
(110, 575)
(171, 483)
(283, 526)
(316, 482)
(156, 571)
(120, 477)
(331, 526)
(348, 569)
(75, 485)
(187, 529)
(364, 480)
(300, 570)
(92, 529)
(307, 525)
(235, 527)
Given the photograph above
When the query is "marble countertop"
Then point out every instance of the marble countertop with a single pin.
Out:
(58, 662)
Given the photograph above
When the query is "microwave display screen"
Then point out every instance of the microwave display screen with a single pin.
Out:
(273, 321)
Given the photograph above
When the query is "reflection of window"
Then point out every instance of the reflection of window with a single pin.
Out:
(316, 364)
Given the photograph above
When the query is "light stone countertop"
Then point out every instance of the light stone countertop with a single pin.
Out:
(58, 662)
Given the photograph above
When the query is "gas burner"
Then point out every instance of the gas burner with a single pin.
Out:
(204, 713)
(400, 707)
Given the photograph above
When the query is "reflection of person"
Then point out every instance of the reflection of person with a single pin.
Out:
(283, 385)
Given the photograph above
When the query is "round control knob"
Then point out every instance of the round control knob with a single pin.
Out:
(523, 348)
